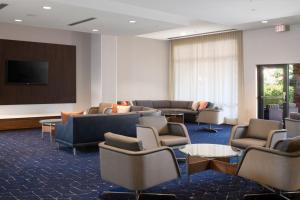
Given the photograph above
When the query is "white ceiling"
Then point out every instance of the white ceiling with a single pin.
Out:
(159, 19)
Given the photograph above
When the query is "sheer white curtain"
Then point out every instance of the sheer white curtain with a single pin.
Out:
(206, 68)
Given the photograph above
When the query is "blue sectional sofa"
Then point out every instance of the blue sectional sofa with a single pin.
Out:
(89, 130)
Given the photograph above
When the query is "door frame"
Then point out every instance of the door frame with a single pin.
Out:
(260, 88)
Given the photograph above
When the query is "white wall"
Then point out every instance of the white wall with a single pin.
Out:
(264, 46)
(96, 90)
(142, 68)
(134, 68)
(109, 68)
(83, 75)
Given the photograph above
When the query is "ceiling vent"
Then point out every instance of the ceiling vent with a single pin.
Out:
(3, 5)
(82, 21)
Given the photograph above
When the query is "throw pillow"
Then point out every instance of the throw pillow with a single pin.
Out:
(123, 109)
(114, 108)
(202, 105)
(124, 103)
(65, 115)
(195, 105)
(210, 105)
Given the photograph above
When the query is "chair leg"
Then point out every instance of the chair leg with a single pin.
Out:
(274, 193)
(138, 195)
(211, 129)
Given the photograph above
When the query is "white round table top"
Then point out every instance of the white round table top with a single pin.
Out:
(210, 150)
(50, 121)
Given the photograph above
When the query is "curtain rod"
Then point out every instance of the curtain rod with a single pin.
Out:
(202, 34)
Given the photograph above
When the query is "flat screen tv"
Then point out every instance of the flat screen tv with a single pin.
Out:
(26, 72)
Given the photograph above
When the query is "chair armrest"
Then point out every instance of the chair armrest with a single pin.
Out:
(149, 137)
(275, 136)
(64, 132)
(59, 129)
(138, 170)
(178, 129)
(237, 132)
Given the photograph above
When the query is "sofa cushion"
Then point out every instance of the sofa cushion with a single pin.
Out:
(136, 108)
(178, 110)
(173, 140)
(244, 143)
(103, 106)
(260, 129)
(123, 109)
(145, 103)
(161, 104)
(93, 110)
(195, 105)
(65, 115)
(289, 145)
(149, 113)
(202, 105)
(210, 105)
(123, 142)
(181, 104)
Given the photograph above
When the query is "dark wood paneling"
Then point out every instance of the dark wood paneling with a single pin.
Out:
(22, 123)
(61, 87)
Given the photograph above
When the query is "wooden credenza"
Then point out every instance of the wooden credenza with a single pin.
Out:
(24, 121)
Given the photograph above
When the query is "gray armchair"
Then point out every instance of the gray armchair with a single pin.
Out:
(156, 131)
(211, 116)
(292, 125)
(277, 169)
(259, 132)
(124, 162)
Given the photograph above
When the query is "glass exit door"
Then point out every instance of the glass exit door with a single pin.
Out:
(273, 94)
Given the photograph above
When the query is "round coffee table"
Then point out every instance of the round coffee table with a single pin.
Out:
(200, 157)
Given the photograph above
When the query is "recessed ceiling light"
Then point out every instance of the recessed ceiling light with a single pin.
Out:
(132, 21)
(18, 20)
(95, 30)
(47, 7)
(264, 21)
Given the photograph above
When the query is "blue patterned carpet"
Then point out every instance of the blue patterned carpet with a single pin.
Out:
(32, 168)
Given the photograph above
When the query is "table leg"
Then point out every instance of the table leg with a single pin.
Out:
(42, 131)
(50, 133)
(187, 159)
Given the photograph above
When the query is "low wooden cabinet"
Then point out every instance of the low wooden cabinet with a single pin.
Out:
(23, 122)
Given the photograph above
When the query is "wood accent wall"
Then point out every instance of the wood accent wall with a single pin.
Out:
(23, 123)
(61, 87)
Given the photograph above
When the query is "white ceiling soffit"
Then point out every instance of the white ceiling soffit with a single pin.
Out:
(62, 14)
(162, 18)
(226, 12)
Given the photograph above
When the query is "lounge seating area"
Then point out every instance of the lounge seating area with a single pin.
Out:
(137, 100)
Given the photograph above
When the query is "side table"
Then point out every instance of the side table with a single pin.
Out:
(48, 126)
(174, 117)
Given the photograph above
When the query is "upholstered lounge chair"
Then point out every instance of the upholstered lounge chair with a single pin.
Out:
(276, 169)
(124, 162)
(156, 131)
(210, 117)
(259, 132)
(292, 125)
